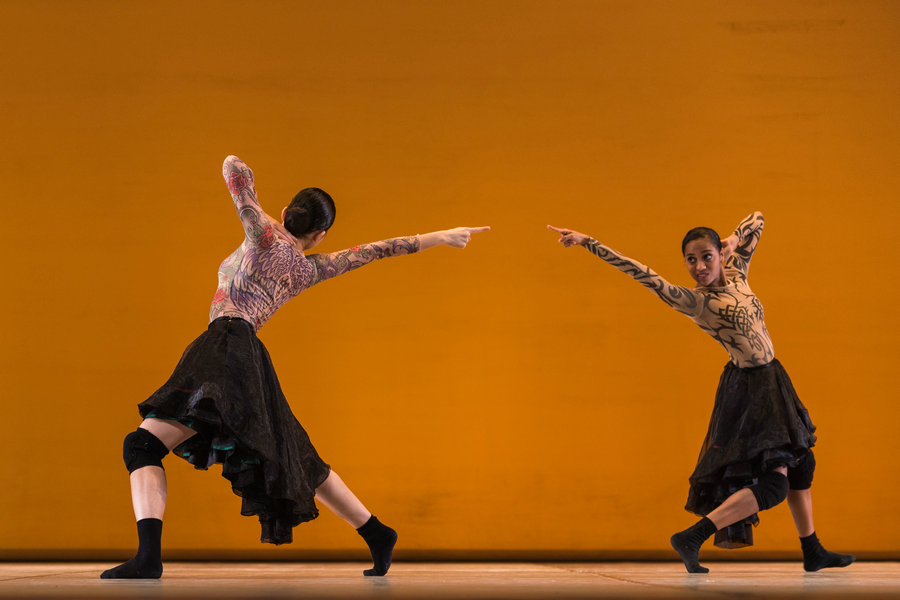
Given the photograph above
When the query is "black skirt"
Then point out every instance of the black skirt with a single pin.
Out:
(226, 389)
(758, 424)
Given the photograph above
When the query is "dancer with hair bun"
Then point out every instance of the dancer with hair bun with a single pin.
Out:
(757, 451)
(223, 403)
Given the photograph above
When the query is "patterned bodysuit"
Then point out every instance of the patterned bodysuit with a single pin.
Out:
(225, 386)
(267, 269)
(758, 423)
(731, 314)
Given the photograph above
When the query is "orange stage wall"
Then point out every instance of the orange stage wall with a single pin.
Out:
(515, 397)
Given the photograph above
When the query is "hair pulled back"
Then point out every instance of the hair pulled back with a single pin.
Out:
(701, 232)
(311, 210)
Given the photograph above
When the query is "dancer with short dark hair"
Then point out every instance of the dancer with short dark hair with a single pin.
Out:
(223, 403)
(757, 451)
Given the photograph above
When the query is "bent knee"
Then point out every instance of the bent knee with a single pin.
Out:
(801, 476)
(142, 449)
(770, 489)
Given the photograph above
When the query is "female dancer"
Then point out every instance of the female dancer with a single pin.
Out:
(757, 448)
(223, 403)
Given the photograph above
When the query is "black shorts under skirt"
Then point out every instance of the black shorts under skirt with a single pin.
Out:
(758, 424)
(226, 389)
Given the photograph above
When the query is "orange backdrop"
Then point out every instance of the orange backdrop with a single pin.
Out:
(515, 397)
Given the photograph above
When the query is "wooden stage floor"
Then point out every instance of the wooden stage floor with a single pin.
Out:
(439, 581)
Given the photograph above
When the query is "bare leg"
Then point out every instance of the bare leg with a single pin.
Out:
(335, 494)
(737, 506)
(380, 538)
(148, 484)
(148, 497)
(800, 502)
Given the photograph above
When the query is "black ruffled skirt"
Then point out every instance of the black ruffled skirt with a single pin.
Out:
(226, 389)
(758, 424)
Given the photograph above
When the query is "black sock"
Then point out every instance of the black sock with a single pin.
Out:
(687, 543)
(381, 540)
(147, 563)
(816, 557)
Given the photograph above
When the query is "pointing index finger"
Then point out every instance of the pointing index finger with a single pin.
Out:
(478, 229)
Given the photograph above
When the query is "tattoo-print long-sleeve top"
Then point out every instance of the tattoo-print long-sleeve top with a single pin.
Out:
(267, 269)
(732, 314)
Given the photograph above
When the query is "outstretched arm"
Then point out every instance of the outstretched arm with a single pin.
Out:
(343, 261)
(239, 179)
(741, 244)
(682, 299)
(457, 237)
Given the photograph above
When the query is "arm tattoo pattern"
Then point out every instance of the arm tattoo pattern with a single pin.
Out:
(344, 261)
(732, 315)
(267, 269)
(255, 281)
(682, 299)
(257, 224)
(748, 233)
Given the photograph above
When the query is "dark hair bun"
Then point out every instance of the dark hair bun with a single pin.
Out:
(297, 219)
(311, 210)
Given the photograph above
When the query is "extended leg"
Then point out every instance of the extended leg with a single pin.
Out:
(380, 538)
(815, 556)
(771, 489)
(143, 452)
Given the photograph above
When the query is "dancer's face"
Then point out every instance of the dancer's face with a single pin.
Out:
(704, 262)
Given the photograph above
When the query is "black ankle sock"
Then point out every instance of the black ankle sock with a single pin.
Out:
(687, 543)
(381, 540)
(147, 563)
(816, 557)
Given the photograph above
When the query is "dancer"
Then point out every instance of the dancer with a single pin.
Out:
(757, 451)
(223, 403)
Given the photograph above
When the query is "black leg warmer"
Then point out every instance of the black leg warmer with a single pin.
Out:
(801, 476)
(770, 489)
(142, 449)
